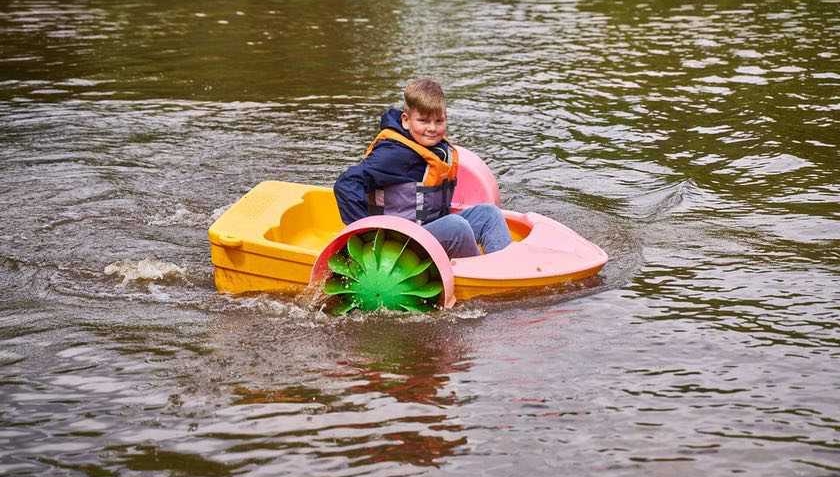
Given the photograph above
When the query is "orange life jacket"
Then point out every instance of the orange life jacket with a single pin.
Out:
(437, 171)
(420, 202)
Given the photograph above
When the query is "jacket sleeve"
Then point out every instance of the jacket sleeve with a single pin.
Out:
(388, 164)
(351, 191)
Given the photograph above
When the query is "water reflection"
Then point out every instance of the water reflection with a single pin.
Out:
(380, 392)
(409, 363)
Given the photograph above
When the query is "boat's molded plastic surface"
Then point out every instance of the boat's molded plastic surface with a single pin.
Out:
(551, 254)
(279, 236)
(269, 239)
(476, 183)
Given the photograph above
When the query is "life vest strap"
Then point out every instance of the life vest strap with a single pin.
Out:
(437, 171)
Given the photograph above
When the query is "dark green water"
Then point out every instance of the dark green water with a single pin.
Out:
(696, 142)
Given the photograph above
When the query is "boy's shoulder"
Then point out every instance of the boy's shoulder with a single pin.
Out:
(393, 149)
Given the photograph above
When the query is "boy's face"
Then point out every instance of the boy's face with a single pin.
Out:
(426, 129)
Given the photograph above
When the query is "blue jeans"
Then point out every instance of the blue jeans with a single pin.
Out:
(461, 233)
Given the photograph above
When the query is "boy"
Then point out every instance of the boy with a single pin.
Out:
(409, 170)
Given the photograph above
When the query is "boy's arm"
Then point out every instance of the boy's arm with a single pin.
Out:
(351, 194)
(386, 165)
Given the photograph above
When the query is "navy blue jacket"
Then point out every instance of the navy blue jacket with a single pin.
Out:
(388, 164)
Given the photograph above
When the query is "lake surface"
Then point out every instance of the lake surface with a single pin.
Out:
(696, 142)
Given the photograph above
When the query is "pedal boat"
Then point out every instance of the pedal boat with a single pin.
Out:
(285, 237)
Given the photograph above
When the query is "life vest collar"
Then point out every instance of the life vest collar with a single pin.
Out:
(437, 171)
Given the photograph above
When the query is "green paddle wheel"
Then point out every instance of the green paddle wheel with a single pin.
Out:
(382, 269)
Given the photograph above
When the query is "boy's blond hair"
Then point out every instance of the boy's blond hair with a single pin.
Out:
(425, 96)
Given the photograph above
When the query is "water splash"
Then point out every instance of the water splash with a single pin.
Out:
(143, 270)
(218, 212)
(181, 216)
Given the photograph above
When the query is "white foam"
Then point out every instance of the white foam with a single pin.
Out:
(145, 269)
(181, 216)
(218, 212)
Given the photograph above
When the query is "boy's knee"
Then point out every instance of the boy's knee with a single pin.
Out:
(488, 209)
(484, 215)
(458, 224)
(456, 235)
(485, 207)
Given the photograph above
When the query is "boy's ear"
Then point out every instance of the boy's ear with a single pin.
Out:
(404, 119)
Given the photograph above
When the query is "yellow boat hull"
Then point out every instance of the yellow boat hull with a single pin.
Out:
(269, 240)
